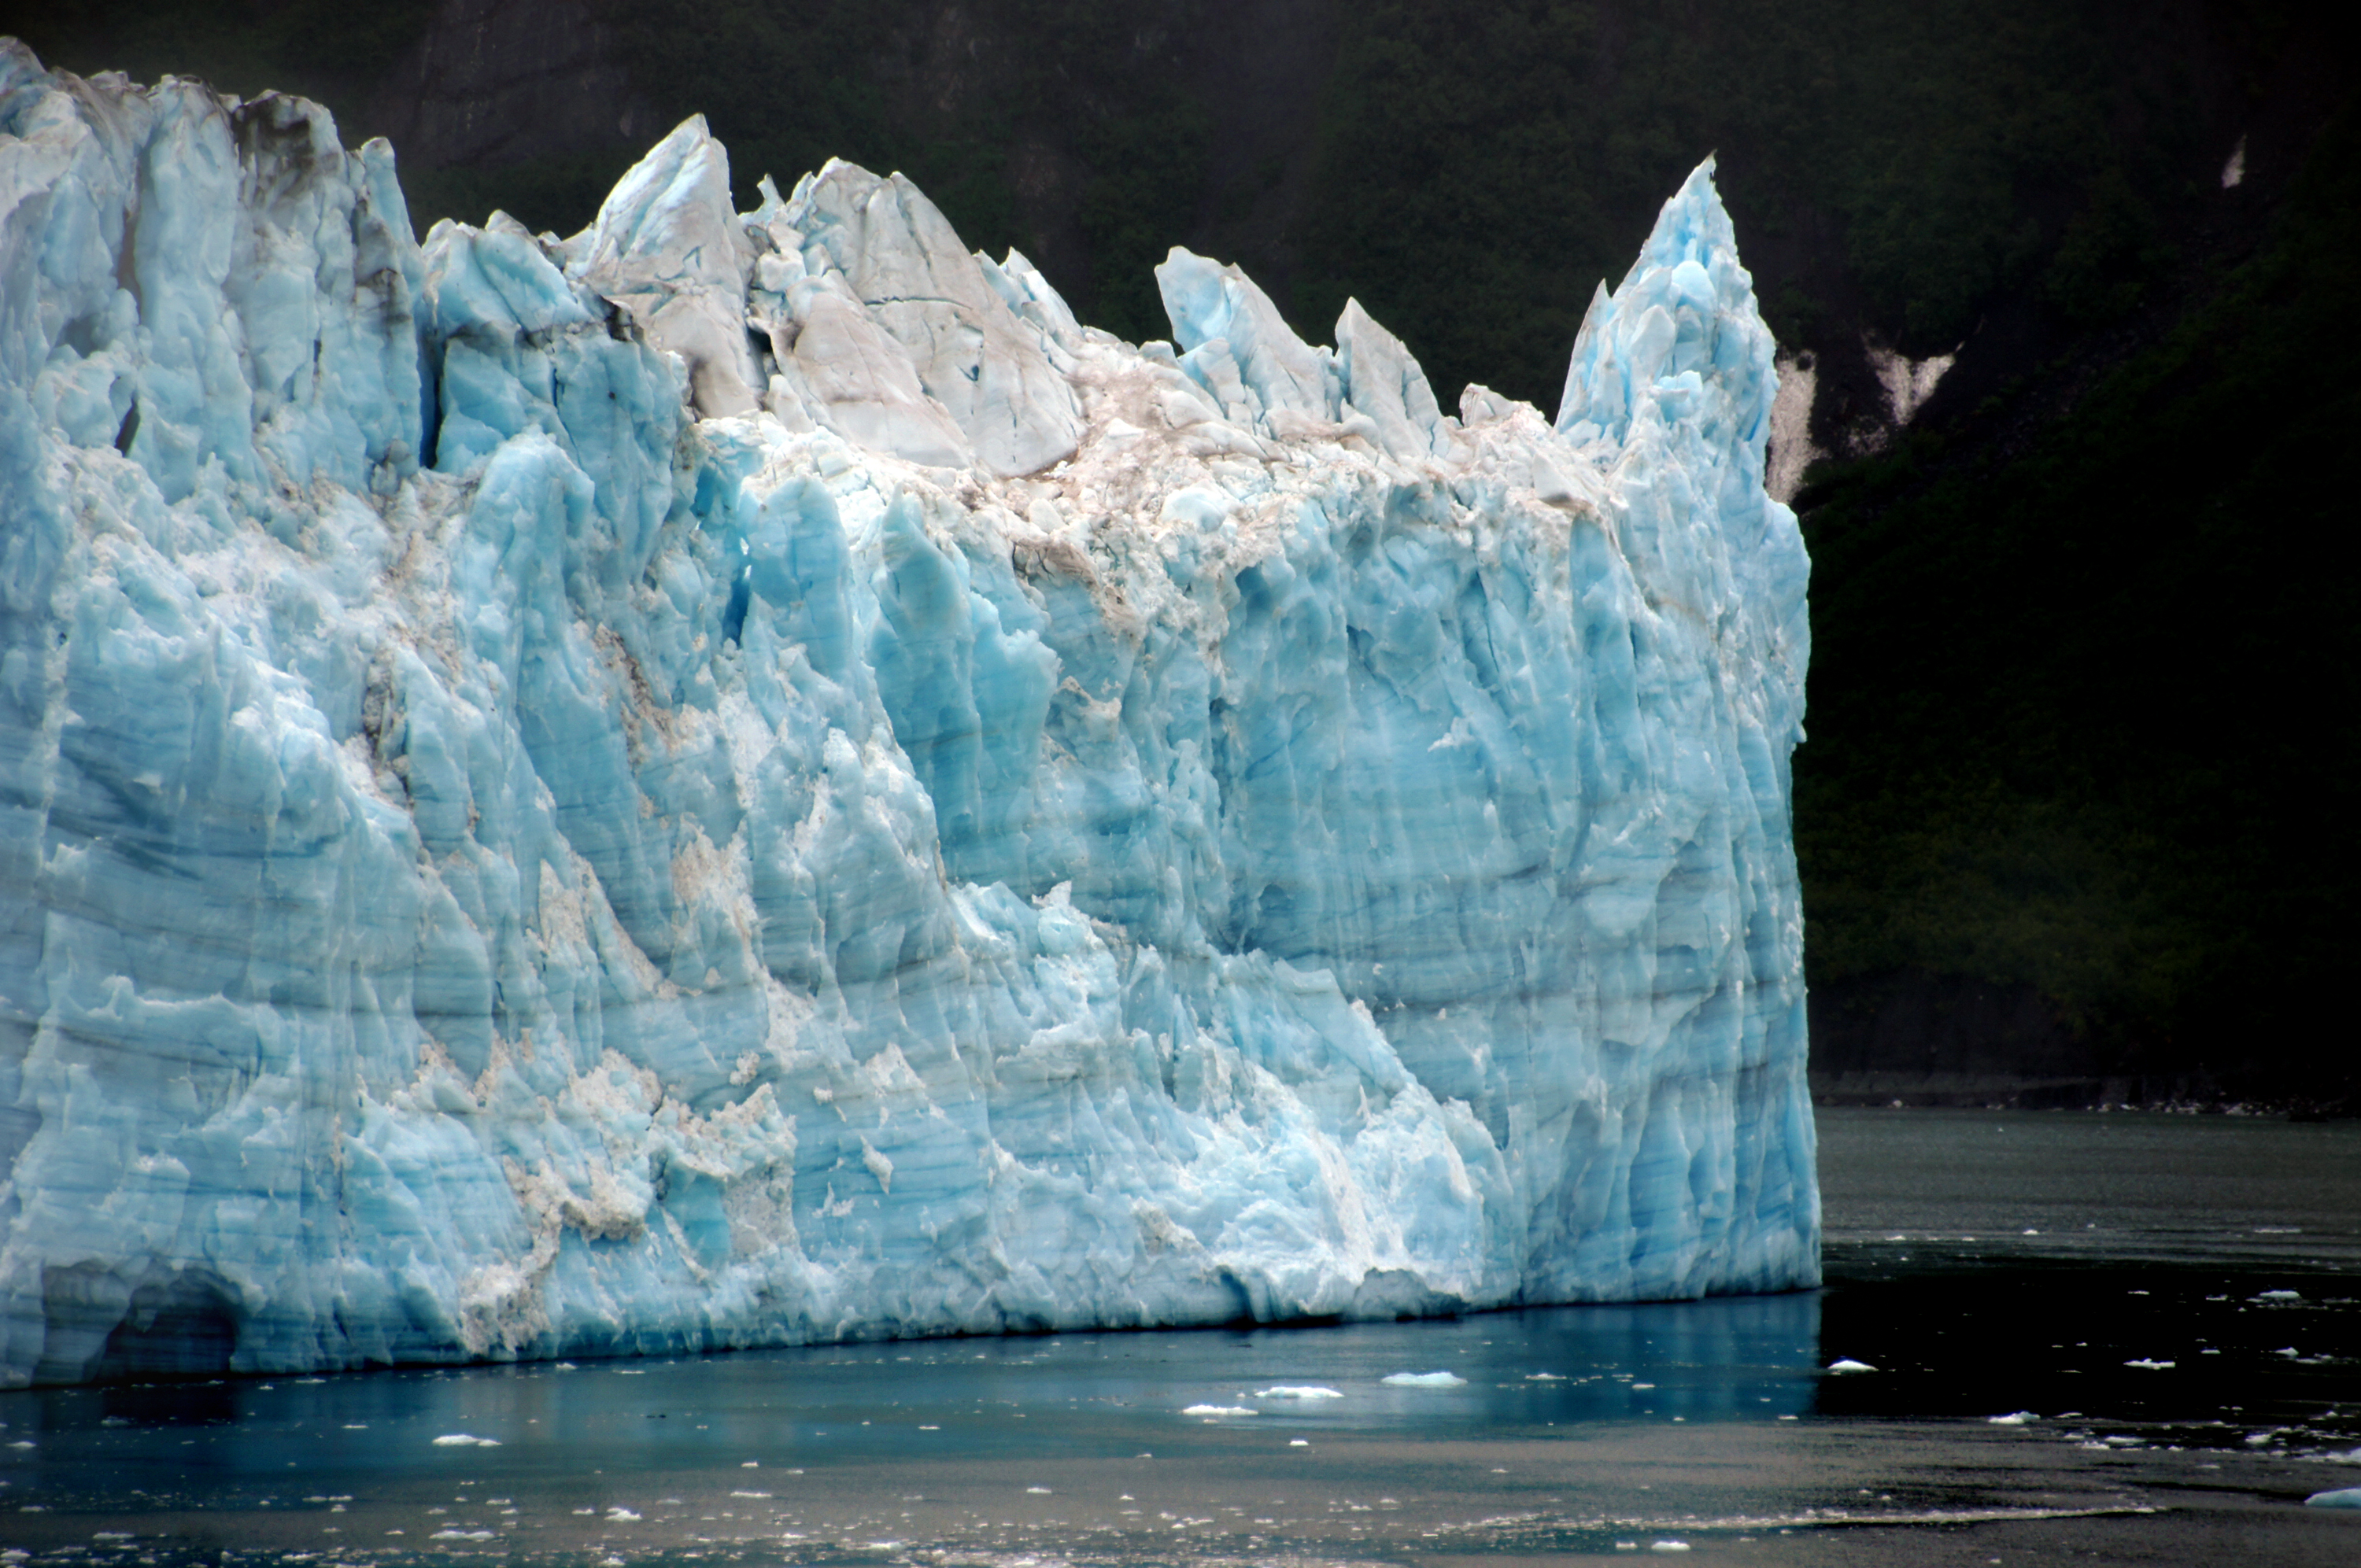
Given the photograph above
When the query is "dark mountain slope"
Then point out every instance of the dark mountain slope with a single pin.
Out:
(2075, 810)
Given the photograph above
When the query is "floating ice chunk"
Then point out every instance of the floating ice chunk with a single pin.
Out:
(618, 1514)
(1298, 1442)
(2014, 1419)
(750, 1494)
(461, 1535)
(461, 1440)
(1038, 1491)
(2286, 1350)
(1423, 1379)
(1297, 1391)
(1851, 1366)
(1219, 1411)
(2280, 1296)
(2148, 1365)
(1668, 1546)
(2343, 1498)
(1545, 1376)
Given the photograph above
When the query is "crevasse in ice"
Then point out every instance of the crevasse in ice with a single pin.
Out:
(740, 778)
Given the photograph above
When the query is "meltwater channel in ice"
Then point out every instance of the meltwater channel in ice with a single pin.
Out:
(743, 779)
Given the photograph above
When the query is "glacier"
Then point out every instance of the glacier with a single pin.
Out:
(742, 778)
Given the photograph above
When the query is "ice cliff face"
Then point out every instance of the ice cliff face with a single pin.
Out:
(740, 778)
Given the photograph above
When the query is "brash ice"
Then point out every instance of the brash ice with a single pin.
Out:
(740, 778)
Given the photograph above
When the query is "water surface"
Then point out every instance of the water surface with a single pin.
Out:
(2173, 1343)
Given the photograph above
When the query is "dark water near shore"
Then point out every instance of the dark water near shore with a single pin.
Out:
(2165, 1305)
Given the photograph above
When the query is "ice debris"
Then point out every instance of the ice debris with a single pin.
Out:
(1423, 1379)
(2345, 1497)
(742, 778)
(1849, 1365)
(1297, 1391)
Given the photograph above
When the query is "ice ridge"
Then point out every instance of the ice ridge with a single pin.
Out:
(742, 778)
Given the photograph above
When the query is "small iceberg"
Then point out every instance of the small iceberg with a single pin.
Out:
(2148, 1365)
(1545, 1376)
(1297, 1391)
(2345, 1497)
(1219, 1410)
(1849, 1365)
(2014, 1419)
(1422, 1379)
(461, 1440)
(2280, 1296)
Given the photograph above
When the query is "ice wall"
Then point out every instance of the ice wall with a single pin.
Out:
(742, 778)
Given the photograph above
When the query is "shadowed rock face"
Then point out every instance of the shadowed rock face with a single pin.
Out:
(742, 778)
(502, 81)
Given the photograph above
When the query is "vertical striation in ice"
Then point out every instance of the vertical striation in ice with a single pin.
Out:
(742, 778)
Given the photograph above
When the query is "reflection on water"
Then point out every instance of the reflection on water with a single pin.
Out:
(1566, 1430)
(2032, 1184)
(1072, 1395)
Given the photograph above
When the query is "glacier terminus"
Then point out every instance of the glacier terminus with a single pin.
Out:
(742, 778)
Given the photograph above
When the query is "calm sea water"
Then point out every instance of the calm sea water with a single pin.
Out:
(2164, 1308)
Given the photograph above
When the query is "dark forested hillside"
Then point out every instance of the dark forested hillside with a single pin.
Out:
(2075, 817)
